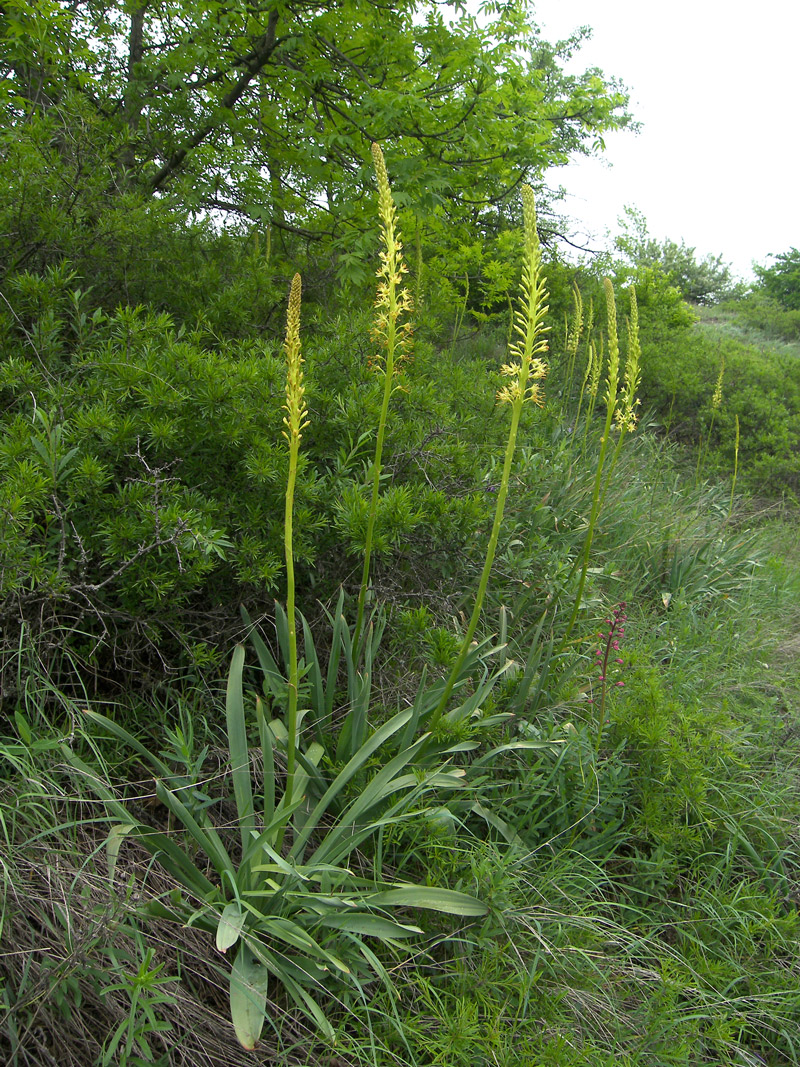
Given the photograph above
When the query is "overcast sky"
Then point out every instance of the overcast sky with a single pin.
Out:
(716, 86)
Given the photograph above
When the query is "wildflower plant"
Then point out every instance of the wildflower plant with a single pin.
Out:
(295, 421)
(574, 332)
(393, 332)
(608, 661)
(716, 404)
(620, 411)
(524, 373)
(287, 902)
(626, 416)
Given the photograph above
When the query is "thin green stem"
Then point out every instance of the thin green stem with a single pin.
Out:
(291, 711)
(612, 385)
(525, 370)
(487, 566)
(376, 478)
(735, 468)
(294, 421)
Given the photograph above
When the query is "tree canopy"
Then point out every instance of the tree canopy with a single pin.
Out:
(781, 281)
(700, 281)
(265, 110)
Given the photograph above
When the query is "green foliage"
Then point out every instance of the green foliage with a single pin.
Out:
(761, 388)
(630, 885)
(705, 281)
(781, 281)
(142, 472)
(150, 101)
(283, 911)
(763, 318)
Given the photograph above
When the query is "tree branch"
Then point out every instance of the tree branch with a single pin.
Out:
(260, 57)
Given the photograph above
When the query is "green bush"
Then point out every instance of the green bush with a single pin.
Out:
(760, 387)
(142, 473)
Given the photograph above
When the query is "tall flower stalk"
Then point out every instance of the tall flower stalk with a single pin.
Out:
(594, 373)
(612, 389)
(735, 467)
(625, 417)
(525, 371)
(716, 404)
(572, 343)
(606, 658)
(393, 305)
(295, 421)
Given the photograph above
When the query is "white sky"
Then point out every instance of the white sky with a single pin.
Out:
(716, 86)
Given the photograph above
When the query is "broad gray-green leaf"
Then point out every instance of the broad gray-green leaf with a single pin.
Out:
(113, 843)
(248, 997)
(231, 923)
(431, 898)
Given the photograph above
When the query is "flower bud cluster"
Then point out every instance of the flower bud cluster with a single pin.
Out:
(527, 367)
(393, 301)
(296, 418)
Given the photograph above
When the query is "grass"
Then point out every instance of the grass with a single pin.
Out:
(727, 322)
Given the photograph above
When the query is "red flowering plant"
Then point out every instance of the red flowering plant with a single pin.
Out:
(608, 662)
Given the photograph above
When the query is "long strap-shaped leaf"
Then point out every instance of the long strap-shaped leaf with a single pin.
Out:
(367, 924)
(248, 995)
(429, 897)
(273, 677)
(339, 624)
(290, 977)
(381, 735)
(239, 748)
(128, 738)
(267, 762)
(338, 841)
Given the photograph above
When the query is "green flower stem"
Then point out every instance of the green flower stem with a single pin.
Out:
(595, 511)
(612, 385)
(735, 468)
(487, 566)
(291, 711)
(295, 421)
(376, 478)
(525, 370)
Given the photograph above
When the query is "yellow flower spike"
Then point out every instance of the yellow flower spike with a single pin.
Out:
(626, 417)
(296, 411)
(716, 399)
(572, 340)
(526, 369)
(392, 304)
(391, 301)
(612, 377)
(599, 490)
(529, 327)
(598, 358)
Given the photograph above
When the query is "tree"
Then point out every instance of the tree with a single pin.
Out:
(704, 281)
(265, 110)
(781, 281)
